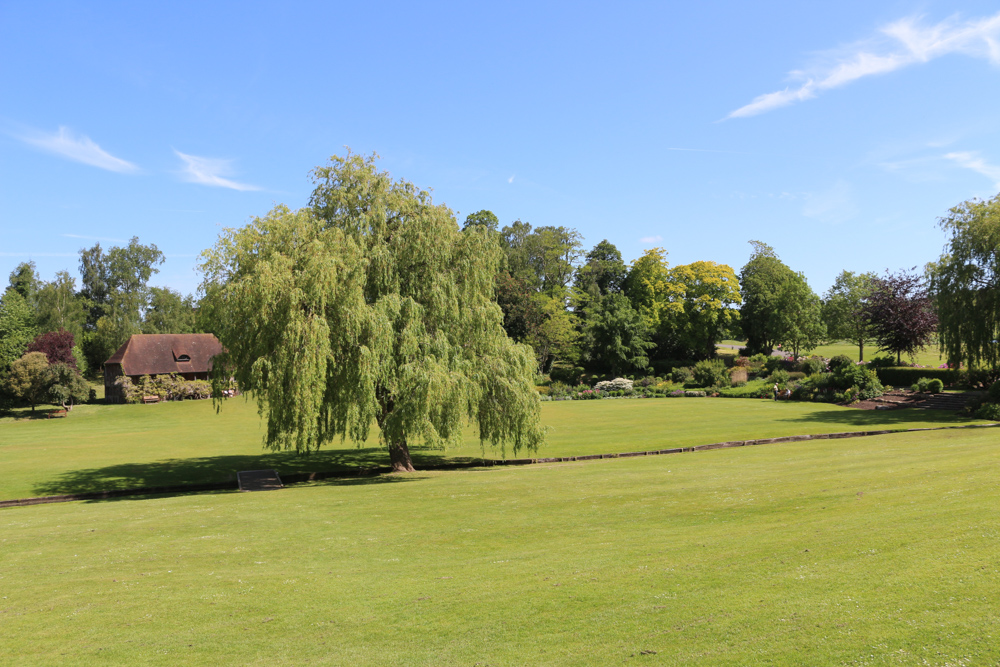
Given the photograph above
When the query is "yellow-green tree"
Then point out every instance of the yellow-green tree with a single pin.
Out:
(702, 299)
(369, 306)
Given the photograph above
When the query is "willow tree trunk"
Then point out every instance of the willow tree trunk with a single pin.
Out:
(399, 457)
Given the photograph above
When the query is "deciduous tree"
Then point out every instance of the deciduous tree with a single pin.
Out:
(59, 307)
(57, 346)
(843, 309)
(370, 306)
(618, 336)
(28, 378)
(17, 327)
(901, 313)
(966, 284)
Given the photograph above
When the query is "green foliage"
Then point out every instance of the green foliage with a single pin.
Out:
(66, 386)
(700, 297)
(17, 327)
(618, 336)
(928, 385)
(545, 258)
(989, 411)
(881, 362)
(993, 393)
(28, 378)
(169, 312)
(370, 307)
(906, 376)
(115, 285)
(168, 387)
(966, 280)
(681, 375)
(780, 377)
(484, 219)
(843, 309)
(24, 280)
(813, 365)
(59, 307)
(711, 373)
(840, 361)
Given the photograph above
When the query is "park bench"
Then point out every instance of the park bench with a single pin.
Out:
(57, 413)
(150, 399)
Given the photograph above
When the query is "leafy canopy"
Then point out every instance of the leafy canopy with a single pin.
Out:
(369, 306)
(967, 280)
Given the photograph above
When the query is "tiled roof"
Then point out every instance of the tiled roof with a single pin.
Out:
(155, 354)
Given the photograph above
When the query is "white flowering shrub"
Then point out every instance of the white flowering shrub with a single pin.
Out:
(618, 384)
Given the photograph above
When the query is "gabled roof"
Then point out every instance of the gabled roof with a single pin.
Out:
(155, 354)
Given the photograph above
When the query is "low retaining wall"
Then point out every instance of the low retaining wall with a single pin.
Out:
(298, 478)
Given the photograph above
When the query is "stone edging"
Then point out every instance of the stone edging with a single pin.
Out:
(298, 478)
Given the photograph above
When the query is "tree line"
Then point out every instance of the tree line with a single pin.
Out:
(579, 311)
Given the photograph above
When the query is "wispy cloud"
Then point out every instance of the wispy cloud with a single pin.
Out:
(78, 148)
(93, 238)
(511, 179)
(210, 171)
(905, 42)
(972, 160)
(647, 240)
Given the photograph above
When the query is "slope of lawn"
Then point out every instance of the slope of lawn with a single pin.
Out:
(929, 356)
(881, 550)
(127, 446)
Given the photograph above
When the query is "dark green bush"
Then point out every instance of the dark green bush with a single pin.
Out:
(779, 376)
(839, 362)
(881, 362)
(812, 365)
(935, 386)
(993, 393)
(989, 411)
(900, 376)
(680, 375)
(711, 373)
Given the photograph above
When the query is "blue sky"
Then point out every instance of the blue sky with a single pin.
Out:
(836, 132)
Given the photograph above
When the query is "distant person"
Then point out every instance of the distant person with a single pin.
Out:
(775, 391)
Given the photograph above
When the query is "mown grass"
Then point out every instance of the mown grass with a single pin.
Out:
(929, 356)
(102, 447)
(881, 550)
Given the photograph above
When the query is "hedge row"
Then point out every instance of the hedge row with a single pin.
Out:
(906, 376)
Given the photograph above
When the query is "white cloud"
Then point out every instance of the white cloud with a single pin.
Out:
(971, 160)
(647, 240)
(210, 171)
(79, 148)
(900, 44)
(511, 179)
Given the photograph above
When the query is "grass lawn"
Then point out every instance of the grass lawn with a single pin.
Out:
(875, 551)
(928, 357)
(103, 447)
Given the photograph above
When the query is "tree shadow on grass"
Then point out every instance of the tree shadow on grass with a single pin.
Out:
(340, 466)
(884, 419)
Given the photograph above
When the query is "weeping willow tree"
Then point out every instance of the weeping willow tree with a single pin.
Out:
(369, 307)
(966, 284)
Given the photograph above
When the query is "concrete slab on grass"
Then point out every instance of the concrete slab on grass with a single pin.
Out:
(259, 480)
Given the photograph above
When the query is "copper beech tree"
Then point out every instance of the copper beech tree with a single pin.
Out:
(370, 306)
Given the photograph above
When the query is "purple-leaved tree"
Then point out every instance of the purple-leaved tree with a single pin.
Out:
(901, 313)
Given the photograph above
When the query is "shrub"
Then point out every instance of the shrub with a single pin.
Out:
(935, 386)
(616, 385)
(566, 374)
(881, 362)
(796, 375)
(680, 375)
(711, 373)
(559, 390)
(812, 365)
(779, 377)
(904, 377)
(840, 361)
(587, 395)
(695, 393)
(758, 359)
(742, 362)
(989, 411)
(993, 393)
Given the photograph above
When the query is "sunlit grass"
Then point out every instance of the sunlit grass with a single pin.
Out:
(103, 447)
(880, 550)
